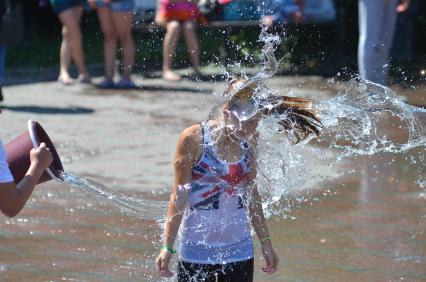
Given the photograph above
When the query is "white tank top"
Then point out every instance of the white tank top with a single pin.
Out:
(215, 226)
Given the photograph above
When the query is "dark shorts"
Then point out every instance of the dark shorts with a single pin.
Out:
(117, 6)
(61, 5)
(240, 271)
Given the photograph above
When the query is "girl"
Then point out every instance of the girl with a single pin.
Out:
(14, 196)
(177, 15)
(214, 191)
(116, 19)
(69, 13)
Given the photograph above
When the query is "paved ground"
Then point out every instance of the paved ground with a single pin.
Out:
(369, 227)
(124, 138)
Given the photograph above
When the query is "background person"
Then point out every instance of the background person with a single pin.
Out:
(11, 31)
(376, 31)
(69, 13)
(281, 12)
(116, 19)
(177, 16)
(2, 60)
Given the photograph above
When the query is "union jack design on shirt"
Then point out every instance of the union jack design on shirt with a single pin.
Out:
(211, 177)
(215, 228)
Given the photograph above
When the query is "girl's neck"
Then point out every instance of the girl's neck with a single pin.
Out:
(227, 145)
(222, 133)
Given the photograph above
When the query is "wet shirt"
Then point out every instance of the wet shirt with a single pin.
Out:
(5, 174)
(215, 226)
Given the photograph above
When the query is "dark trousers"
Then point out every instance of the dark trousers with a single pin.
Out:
(241, 271)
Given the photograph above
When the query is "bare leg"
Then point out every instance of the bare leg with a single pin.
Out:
(169, 48)
(65, 59)
(192, 44)
(122, 22)
(110, 41)
(71, 21)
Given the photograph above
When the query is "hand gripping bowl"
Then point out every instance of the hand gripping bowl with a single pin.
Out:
(18, 154)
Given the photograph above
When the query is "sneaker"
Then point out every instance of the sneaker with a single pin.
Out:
(1, 95)
(195, 76)
(125, 83)
(106, 84)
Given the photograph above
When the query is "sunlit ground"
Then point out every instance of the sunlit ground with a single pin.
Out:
(367, 226)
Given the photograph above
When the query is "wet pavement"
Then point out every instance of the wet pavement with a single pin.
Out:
(369, 226)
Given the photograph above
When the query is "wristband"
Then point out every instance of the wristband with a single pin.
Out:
(265, 239)
(170, 250)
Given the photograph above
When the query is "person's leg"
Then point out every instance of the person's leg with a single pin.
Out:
(123, 26)
(2, 59)
(169, 47)
(110, 41)
(65, 59)
(70, 19)
(386, 40)
(192, 44)
(370, 18)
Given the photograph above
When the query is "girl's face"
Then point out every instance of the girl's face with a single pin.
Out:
(242, 118)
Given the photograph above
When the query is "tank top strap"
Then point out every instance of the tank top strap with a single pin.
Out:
(207, 138)
(246, 150)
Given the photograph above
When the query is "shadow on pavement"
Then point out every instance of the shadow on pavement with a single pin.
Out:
(173, 88)
(154, 88)
(48, 110)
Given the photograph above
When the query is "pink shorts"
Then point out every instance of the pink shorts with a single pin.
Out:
(181, 11)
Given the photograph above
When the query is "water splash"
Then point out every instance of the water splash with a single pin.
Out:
(135, 207)
(360, 118)
(363, 119)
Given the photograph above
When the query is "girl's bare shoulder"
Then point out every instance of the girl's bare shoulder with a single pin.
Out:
(191, 136)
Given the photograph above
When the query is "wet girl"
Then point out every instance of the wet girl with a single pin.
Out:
(214, 193)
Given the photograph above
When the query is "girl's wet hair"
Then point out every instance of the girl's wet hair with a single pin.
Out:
(295, 115)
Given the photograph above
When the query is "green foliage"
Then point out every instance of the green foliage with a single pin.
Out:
(304, 48)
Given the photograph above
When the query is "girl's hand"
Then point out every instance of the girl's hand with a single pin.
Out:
(271, 258)
(162, 263)
(41, 157)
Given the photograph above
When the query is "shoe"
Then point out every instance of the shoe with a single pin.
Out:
(1, 95)
(84, 78)
(195, 76)
(125, 83)
(106, 84)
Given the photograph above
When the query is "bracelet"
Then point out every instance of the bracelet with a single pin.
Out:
(265, 239)
(170, 250)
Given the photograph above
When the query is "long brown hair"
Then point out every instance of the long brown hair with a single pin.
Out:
(295, 114)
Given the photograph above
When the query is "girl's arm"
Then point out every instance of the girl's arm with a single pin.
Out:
(257, 218)
(259, 224)
(187, 153)
(13, 197)
(256, 215)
